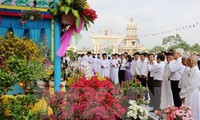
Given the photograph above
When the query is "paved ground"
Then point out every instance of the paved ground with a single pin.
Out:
(153, 116)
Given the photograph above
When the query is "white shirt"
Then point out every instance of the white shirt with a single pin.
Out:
(123, 64)
(134, 64)
(158, 70)
(88, 59)
(151, 66)
(142, 68)
(176, 68)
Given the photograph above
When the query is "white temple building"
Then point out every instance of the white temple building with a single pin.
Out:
(131, 41)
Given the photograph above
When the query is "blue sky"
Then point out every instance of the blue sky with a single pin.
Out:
(152, 16)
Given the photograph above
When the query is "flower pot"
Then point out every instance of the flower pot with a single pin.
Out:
(68, 19)
(41, 84)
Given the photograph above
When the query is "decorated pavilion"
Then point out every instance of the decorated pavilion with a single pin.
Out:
(29, 19)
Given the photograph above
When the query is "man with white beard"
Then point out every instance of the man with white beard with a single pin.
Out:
(189, 93)
(114, 69)
(176, 68)
(166, 92)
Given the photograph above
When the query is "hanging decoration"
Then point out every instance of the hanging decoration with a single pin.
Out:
(30, 15)
(75, 15)
(170, 31)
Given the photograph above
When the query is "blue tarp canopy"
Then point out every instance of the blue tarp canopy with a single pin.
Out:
(38, 30)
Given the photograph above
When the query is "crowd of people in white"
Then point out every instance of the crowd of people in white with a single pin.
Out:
(173, 78)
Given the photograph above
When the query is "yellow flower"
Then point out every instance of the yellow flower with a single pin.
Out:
(101, 78)
(87, 6)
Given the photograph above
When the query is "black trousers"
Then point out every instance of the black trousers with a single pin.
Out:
(121, 76)
(143, 81)
(175, 92)
(157, 94)
(150, 83)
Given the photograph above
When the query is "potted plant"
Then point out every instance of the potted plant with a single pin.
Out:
(21, 107)
(175, 113)
(74, 15)
(25, 49)
(136, 111)
(26, 72)
(134, 89)
(72, 11)
(30, 15)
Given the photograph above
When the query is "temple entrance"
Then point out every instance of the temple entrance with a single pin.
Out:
(106, 43)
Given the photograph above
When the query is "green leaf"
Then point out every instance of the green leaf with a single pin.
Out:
(75, 13)
(78, 21)
(69, 2)
(67, 9)
(62, 9)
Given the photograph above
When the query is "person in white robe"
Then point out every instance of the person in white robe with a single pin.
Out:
(99, 64)
(189, 93)
(166, 92)
(105, 66)
(87, 64)
(88, 58)
(114, 69)
(95, 63)
(183, 80)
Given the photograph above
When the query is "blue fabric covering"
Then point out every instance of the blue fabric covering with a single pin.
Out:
(18, 32)
(35, 35)
(48, 35)
(3, 31)
(16, 90)
(14, 22)
(34, 28)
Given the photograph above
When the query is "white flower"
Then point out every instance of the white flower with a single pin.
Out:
(141, 117)
(132, 102)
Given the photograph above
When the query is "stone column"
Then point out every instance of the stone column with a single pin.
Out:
(114, 48)
(97, 48)
(117, 48)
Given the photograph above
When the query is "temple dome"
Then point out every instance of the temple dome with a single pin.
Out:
(131, 24)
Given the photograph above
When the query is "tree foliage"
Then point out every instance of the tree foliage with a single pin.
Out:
(157, 49)
(175, 41)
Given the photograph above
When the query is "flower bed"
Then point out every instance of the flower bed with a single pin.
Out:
(175, 113)
(87, 99)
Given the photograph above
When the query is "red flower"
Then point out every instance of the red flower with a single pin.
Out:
(90, 13)
(88, 99)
